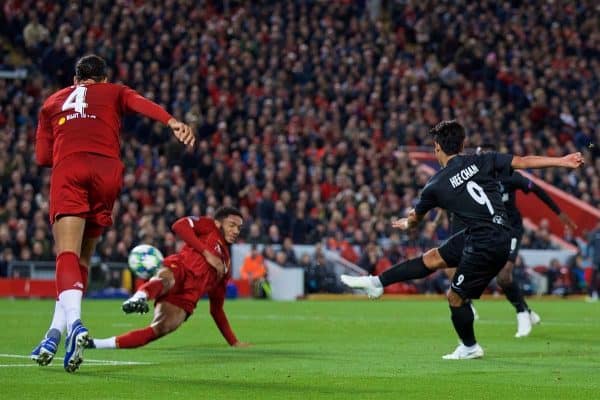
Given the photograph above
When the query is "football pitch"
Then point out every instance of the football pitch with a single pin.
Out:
(351, 349)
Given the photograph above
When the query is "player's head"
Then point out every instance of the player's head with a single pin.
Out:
(90, 67)
(486, 147)
(448, 139)
(229, 220)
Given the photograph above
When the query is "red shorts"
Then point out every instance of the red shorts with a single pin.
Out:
(190, 285)
(86, 185)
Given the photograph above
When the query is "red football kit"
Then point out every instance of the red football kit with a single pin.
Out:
(194, 276)
(78, 135)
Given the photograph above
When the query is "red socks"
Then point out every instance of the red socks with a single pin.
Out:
(84, 276)
(136, 338)
(153, 288)
(68, 273)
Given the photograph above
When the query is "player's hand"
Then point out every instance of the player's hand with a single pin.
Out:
(573, 160)
(241, 344)
(216, 263)
(401, 224)
(567, 221)
(182, 132)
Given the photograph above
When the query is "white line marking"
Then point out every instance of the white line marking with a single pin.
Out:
(87, 360)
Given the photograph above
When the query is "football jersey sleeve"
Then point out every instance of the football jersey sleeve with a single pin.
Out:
(427, 201)
(43, 140)
(501, 163)
(132, 101)
(217, 299)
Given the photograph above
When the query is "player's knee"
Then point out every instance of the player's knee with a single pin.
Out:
(504, 277)
(433, 260)
(165, 327)
(454, 300)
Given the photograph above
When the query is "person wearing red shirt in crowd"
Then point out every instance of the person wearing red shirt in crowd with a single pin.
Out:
(78, 136)
(203, 266)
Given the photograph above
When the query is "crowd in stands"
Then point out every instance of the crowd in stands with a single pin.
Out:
(303, 111)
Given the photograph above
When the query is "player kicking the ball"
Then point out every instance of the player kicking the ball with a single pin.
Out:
(467, 186)
(201, 267)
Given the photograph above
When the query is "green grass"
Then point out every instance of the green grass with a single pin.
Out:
(314, 350)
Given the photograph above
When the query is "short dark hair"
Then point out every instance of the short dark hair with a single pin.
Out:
(488, 146)
(224, 212)
(450, 135)
(90, 67)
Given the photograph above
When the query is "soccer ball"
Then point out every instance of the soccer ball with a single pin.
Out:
(144, 260)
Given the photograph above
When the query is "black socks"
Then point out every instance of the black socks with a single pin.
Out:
(462, 319)
(405, 271)
(514, 295)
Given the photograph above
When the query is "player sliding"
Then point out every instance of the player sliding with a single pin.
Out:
(467, 187)
(78, 135)
(201, 267)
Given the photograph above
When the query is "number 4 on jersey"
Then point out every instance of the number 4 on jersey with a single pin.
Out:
(76, 100)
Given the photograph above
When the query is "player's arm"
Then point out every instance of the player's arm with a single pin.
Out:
(189, 229)
(44, 141)
(527, 185)
(134, 102)
(426, 202)
(217, 300)
(573, 160)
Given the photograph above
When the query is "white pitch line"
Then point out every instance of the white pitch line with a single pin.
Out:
(87, 360)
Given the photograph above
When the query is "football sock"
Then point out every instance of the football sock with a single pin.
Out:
(108, 343)
(59, 320)
(462, 319)
(54, 334)
(69, 286)
(405, 271)
(514, 295)
(149, 290)
(135, 338)
(84, 276)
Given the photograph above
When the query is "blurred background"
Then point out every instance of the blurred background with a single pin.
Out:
(312, 118)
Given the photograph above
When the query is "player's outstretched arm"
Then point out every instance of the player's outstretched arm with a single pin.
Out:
(573, 160)
(133, 101)
(545, 197)
(217, 299)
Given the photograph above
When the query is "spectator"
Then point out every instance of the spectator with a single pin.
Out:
(254, 271)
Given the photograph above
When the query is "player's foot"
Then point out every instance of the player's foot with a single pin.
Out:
(463, 352)
(90, 344)
(365, 283)
(135, 306)
(523, 324)
(74, 345)
(534, 318)
(475, 315)
(45, 351)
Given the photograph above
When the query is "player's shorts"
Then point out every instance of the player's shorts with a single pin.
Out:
(86, 185)
(485, 253)
(452, 249)
(189, 286)
(515, 244)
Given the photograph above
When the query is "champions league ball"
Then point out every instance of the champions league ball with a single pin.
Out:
(144, 260)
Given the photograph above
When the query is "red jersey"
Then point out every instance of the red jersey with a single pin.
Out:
(207, 237)
(87, 118)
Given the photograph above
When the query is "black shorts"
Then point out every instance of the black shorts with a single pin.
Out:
(452, 249)
(483, 256)
(515, 244)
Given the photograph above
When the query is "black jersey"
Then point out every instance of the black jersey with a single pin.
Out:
(508, 187)
(468, 188)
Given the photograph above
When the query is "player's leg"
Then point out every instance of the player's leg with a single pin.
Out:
(158, 285)
(167, 318)
(449, 253)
